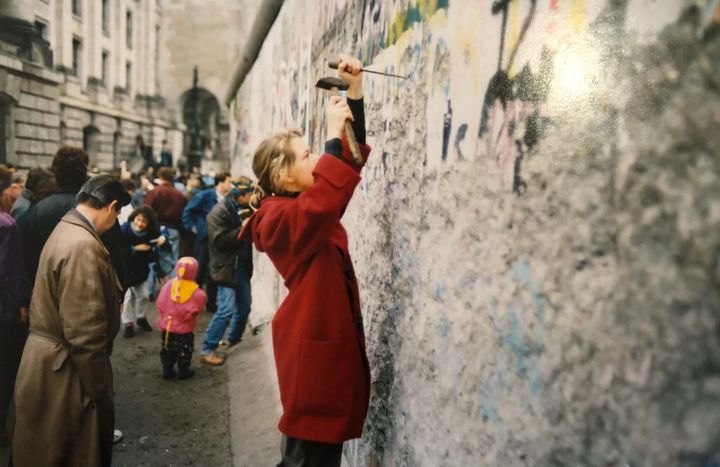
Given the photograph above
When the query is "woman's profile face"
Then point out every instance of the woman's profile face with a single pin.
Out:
(300, 172)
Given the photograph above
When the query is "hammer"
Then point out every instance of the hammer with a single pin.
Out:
(333, 85)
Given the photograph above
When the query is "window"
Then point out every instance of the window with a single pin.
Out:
(106, 17)
(128, 29)
(42, 28)
(76, 7)
(128, 77)
(105, 67)
(5, 127)
(76, 56)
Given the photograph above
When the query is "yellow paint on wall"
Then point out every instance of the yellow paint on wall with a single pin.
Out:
(396, 27)
(578, 15)
(427, 7)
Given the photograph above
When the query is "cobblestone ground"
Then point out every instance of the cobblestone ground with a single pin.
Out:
(168, 423)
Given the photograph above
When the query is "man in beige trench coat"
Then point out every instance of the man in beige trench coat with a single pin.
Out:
(64, 392)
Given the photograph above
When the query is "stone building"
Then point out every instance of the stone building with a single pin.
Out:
(82, 72)
(99, 73)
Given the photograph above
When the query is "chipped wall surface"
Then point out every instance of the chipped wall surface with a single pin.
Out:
(537, 233)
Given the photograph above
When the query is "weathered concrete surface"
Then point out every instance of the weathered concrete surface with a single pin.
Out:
(536, 236)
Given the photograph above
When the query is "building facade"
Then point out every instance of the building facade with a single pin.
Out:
(85, 73)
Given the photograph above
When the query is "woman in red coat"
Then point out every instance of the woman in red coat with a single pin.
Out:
(318, 337)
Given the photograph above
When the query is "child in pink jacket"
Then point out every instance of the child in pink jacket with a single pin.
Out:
(179, 303)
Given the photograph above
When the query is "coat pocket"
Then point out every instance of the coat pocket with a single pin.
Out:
(324, 378)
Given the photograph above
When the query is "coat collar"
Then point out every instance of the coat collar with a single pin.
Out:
(75, 218)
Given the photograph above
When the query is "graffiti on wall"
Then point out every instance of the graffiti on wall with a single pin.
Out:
(483, 80)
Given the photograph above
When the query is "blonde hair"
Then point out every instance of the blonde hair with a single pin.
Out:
(271, 157)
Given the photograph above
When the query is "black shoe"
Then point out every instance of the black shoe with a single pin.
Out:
(169, 373)
(129, 331)
(143, 324)
(185, 373)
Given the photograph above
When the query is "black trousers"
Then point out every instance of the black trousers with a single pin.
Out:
(302, 453)
(12, 342)
(179, 349)
(201, 251)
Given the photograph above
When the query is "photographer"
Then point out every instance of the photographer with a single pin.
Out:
(231, 268)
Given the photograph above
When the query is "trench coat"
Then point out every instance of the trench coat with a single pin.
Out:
(64, 392)
(317, 332)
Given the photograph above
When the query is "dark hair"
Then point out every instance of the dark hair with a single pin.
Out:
(92, 201)
(5, 177)
(40, 183)
(148, 213)
(128, 184)
(70, 167)
(221, 177)
(101, 190)
(167, 174)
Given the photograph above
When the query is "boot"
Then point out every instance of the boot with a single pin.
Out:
(129, 330)
(185, 373)
(169, 373)
(143, 324)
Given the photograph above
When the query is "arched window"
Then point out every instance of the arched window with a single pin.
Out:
(117, 155)
(208, 115)
(6, 127)
(91, 143)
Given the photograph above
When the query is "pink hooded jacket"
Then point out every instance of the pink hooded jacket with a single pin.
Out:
(181, 299)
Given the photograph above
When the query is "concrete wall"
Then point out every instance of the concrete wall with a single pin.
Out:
(536, 234)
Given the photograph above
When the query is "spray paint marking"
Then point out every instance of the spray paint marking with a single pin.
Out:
(504, 117)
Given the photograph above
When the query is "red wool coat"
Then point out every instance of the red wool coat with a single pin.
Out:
(318, 336)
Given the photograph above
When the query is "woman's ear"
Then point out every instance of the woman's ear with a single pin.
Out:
(285, 177)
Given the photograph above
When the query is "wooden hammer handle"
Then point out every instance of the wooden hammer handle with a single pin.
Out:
(350, 135)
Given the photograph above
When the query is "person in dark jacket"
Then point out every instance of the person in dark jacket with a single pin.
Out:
(194, 219)
(69, 166)
(13, 282)
(231, 268)
(39, 185)
(70, 169)
(165, 155)
(141, 236)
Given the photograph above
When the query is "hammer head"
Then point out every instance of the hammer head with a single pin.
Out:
(331, 82)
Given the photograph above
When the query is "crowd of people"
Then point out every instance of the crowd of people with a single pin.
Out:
(159, 226)
(82, 256)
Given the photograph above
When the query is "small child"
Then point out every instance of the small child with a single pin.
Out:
(179, 303)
